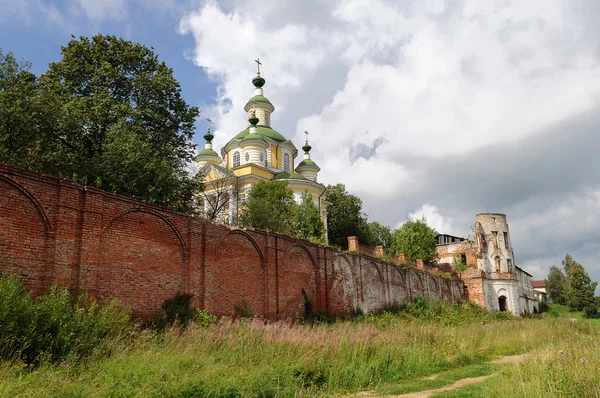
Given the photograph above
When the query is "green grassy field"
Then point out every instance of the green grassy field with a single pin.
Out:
(383, 354)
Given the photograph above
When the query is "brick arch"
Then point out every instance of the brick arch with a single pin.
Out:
(456, 292)
(235, 275)
(38, 207)
(298, 271)
(149, 211)
(343, 294)
(398, 293)
(142, 260)
(25, 236)
(417, 288)
(433, 286)
(446, 290)
(373, 287)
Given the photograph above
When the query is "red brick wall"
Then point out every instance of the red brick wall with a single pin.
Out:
(55, 232)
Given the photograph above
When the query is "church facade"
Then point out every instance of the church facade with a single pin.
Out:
(256, 153)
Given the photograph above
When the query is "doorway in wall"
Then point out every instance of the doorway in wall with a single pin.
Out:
(502, 303)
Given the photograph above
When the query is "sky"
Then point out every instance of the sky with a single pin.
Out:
(438, 108)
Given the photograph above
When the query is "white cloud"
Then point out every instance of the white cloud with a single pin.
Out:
(97, 11)
(443, 225)
(428, 81)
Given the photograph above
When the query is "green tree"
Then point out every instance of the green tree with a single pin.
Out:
(21, 114)
(416, 240)
(270, 206)
(307, 219)
(580, 288)
(556, 285)
(345, 217)
(459, 264)
(118, 121)
(380, 235)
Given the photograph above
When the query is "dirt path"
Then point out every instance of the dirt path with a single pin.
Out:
(457, 384)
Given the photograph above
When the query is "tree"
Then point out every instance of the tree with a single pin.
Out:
(345, 217)
(20, 114)
(380, 235)
(214, 199)
(459, 264)
(556, 285)
(580, 288)
(113, 118)
(270, 206)
(416, 240)
(307, 219)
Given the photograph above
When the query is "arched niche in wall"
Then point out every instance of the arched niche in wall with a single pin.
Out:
(343, 296)
(446, 290)
(142, 261)
(398, 293)
(416, 284)
(457, 291)
(24, 235)
(373, 287)
(298, 271)
(432, 287)
(235, 276)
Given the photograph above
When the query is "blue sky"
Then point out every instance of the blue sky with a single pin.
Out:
(420, 107)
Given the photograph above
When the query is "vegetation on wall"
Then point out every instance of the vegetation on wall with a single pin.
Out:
(109, 114)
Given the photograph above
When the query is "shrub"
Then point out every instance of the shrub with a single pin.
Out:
(176, 311)
(204, 318)
(54, 326)
(242, 309)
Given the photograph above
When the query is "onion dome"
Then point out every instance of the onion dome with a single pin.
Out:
(307, 168)
(208, 155)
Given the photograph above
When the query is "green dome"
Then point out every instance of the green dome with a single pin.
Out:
(307, 162)
(263, 131)
(207, 152)
(259, 100)
(288, 175)
(258, 81)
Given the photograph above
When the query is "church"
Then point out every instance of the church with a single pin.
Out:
(256, 153)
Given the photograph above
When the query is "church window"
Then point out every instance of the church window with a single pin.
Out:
(506, 244)
(495, 236)
(236, 159)
(286, 162)
(497, 263)
(509, 264)
(262, 158)
(266, 118)
(247, 157)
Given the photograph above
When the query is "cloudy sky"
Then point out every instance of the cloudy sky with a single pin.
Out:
(437, 108)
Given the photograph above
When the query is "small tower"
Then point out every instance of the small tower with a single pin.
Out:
(208, 155)
(254, 146)
(307, 168)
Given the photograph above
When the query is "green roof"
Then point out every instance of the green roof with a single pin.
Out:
(263, 131)
(207, 152)
(307, 162)
(288, 175)
(259, 100)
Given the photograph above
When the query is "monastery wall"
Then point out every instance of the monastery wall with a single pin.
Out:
(53, 231)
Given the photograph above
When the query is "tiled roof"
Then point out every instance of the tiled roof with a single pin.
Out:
(538, 284)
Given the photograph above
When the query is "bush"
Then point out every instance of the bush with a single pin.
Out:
(204, 318)
(54, 326)
(242, 309)
(176, 311)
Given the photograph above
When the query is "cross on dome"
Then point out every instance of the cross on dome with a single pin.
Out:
(258, 64)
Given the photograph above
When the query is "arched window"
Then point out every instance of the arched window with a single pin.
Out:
(286, 161)
(247, 156)
(262, 158)
(266, 118)
(236, 159)
(497, 259)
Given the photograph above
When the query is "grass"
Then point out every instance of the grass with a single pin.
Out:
(256, 359)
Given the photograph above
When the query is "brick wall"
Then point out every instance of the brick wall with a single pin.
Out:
(53, 231)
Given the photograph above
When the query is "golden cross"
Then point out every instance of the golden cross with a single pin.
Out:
(258, 63)
(306, 132)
